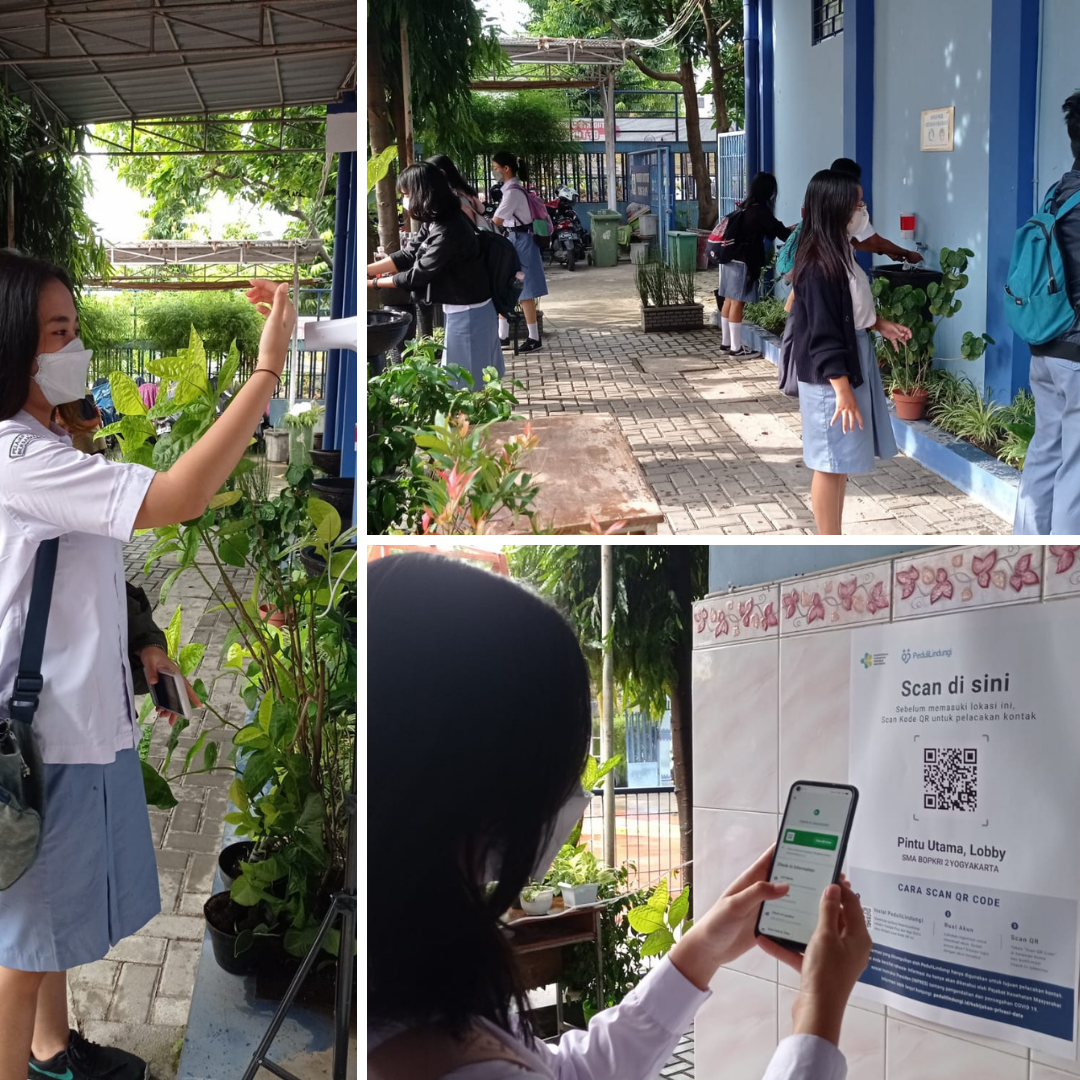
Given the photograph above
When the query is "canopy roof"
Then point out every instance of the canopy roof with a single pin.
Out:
(208, 252)
(583, 52)
(95, 61)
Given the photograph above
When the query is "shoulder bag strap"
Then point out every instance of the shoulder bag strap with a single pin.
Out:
(1069, 204)
(28, 682)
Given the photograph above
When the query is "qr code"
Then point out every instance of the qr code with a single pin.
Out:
(950, 778)
(868, 912)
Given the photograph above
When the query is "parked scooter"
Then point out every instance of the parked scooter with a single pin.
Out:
(570, 239)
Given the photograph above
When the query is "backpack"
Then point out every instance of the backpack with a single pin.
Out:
(505, 276)
(1037, 304)
(541, 218)
(785, 261)
(722, 242)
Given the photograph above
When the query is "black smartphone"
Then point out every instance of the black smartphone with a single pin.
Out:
(170, 693)
(809, 855)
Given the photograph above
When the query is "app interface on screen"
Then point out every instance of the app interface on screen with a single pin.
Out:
(806, 855)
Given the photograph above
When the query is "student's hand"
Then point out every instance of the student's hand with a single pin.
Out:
(892, 331)
(847, 408)
(280, 320)
(912, 257)
(155, 659)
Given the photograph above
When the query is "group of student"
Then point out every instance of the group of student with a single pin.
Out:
(441, 261)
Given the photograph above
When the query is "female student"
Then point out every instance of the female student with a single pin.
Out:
(471, 203)
(739, 278)
(443, 263)
(514, 215)
(440, 1002)
(94, 881)
(839, 378)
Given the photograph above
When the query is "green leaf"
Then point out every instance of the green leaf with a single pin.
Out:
(266, 708)
(245, 892)
(224, 498)
(251, 736)
(194, 750)
(658, 942)
(343, 566)
(660, 897)
(243, 466)
(210, 754)
(283, 724)
(190, 658)
(227, 374)
(645, 920)
(125, 394)
(238, 795)
(233, 550)
(172, 633)
(588, 780)
(379, 166)
(679, 908)
(158, 792)
(326, 519)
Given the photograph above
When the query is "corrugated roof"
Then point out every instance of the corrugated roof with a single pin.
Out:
(94, 61)
(213, 252)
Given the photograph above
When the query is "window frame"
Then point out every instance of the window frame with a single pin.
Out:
(820, 18)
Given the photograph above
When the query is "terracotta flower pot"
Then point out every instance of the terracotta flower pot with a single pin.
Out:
(910, 406)
(271, 615)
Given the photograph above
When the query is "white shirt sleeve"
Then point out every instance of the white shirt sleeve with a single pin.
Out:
(806, 1057)
(49, 488)
(866, 233)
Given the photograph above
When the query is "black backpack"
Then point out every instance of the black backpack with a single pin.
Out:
(724, 240)
(504, 272)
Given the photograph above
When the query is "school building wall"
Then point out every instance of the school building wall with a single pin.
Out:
(1059, 77)
(771, 707)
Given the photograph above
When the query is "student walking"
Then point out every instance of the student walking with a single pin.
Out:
(94, 880)
(845, 415)
(739, 278)
(514, 215)
(442, 264)
(1049, 498)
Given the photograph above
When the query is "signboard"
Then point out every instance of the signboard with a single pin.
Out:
(965, 750)
(937, 129)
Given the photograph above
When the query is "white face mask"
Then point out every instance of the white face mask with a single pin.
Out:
(565, 820)
(405, 203)
(859, 220)
(62, 374)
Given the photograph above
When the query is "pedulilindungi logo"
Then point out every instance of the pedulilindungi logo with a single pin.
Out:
(924, 654)
(905, 655)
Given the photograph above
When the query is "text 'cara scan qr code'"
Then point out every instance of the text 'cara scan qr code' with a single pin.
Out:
(950, 778)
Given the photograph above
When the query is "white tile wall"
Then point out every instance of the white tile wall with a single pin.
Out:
(774, 709)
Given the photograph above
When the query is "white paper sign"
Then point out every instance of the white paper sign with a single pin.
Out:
(965, 851)
(937, 129)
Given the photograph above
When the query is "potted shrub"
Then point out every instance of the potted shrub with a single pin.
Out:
(536, 899)
(911, 363)
(667, 297)
(580, 875)
(300, 422)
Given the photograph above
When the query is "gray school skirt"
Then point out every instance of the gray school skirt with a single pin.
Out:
(733, 283)
(95, 879)
(472, 341)
(827, 448)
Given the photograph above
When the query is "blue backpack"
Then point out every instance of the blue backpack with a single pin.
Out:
(785, 261)
(1037, 304)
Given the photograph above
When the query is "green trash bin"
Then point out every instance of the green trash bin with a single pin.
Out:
(605, 238)
(682, 250)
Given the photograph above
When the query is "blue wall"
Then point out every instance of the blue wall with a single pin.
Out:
(808, 104)
(736, 566)
(930, 54)
(1060, 76)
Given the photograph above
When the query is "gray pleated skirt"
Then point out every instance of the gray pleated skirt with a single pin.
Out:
(827, 448)
(529, 253)
(733, 283)
(472, 341)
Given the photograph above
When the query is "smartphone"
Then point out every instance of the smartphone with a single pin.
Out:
(809, 855)
(170, 693)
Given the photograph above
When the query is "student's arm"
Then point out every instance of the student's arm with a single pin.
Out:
(185, 490)
(878, 245)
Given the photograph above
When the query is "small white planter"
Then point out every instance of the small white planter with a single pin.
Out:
(277, 445)
(539, 904)
(579, 895)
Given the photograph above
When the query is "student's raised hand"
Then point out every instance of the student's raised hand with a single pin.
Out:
(280, 320)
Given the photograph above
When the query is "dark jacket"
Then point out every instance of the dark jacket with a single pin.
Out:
(758, 224)
(442, 264)
(823, 330)
(1068, 236)
(142, 633)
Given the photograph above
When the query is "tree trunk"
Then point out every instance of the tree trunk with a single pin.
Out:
(682, 736)
(716, 68)
(705, 200)
(380, 138)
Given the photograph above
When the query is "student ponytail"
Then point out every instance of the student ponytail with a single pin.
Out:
(518, 166)
(522, 170)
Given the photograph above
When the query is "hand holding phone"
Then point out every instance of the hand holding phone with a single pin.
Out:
(170, 693)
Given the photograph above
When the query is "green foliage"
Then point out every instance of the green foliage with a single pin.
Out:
(973, 417)
(104, 324)
(660, 918)
(379, 166)
(220, 318)
(662, 285)
(531, 892)
(769, 314)
(403, 400)
(577, 865)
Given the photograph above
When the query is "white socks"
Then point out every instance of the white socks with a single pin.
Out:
(736, 335)
(504, 328)
(725, 331)
(534, 331)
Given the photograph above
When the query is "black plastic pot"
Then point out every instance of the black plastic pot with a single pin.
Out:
(339, 492)
(221, 914)
(316, 440)
(230, 859)
(896, 274)
(386, 329)
(327, 461)
(313, 563)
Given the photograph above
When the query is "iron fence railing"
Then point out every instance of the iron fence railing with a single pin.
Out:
(731, 170)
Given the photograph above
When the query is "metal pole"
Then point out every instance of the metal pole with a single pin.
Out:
(609, 140)
(607, 716)
(293, 359)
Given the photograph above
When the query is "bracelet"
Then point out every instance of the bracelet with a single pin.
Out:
(266, 371)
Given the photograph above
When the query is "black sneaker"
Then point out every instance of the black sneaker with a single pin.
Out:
(529, 345)
(725, 348)
(504, 342)
(745, 353)
(84, 1060)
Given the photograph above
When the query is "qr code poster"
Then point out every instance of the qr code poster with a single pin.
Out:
(950, 778)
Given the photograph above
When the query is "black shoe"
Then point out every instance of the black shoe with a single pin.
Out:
(529, 345)
(84, 1060)
(745, 353)
(504, 342)
(725, 348)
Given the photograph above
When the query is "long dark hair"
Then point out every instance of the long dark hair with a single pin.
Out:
(831, 197)
(762, 192)
(474, 743)
(1071, 109)
(518, 166)
(430, 197)
(21, 281)
(456, 181)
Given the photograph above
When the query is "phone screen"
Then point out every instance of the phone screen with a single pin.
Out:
(809, 854)
(169, 693)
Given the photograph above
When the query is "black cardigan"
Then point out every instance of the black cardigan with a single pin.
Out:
(443, 264)
(823, 330)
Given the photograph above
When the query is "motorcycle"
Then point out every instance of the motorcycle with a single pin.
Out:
(570, 239)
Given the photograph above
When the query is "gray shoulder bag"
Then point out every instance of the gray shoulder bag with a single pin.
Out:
(22, 774)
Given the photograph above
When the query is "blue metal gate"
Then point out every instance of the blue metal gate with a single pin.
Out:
(652, 181)
(731, 169)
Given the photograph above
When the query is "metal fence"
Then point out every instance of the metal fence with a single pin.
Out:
(731, 170)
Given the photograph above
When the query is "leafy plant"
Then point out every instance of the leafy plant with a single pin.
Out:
(661, 285)
(299, 417)
(531, 892)
(660, 918)
(379, 166)
(579, 866)
(222, 319)
(769, 314)
(973, 417)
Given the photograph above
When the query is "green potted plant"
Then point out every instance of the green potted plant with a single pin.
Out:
(300, 422)
(668, 299)
(536, 899)
(917, 309)
(580, 875)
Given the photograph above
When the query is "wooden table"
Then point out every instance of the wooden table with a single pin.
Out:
(537, 942)
(586, 470)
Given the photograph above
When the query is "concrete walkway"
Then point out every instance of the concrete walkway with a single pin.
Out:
(719, 444)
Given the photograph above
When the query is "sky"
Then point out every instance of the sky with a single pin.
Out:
(510, 14)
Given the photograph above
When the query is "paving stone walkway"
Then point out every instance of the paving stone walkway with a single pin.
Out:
(719, 444)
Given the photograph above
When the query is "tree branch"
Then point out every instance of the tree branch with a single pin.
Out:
(652, 73)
